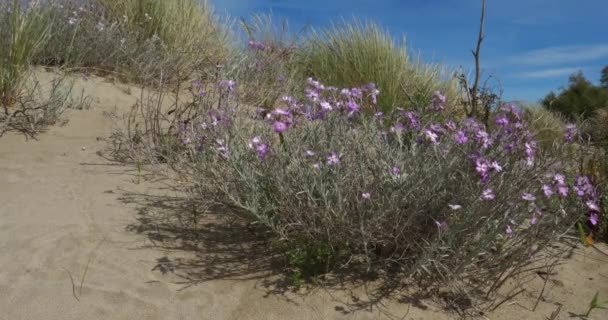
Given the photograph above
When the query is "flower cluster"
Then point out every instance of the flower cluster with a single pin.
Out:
(493, 153)
(255, 45)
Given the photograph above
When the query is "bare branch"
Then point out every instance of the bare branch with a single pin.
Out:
(475, 88)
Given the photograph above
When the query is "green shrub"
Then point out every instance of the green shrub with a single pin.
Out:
(579, 99)
(353, 53)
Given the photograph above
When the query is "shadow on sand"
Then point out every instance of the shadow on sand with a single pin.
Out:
(214, 243)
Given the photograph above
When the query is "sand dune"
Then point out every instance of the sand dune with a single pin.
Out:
(80, 240)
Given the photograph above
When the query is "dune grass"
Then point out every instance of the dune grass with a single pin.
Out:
(22, 31)
(354, 52)
(184, 26)
(136, 40)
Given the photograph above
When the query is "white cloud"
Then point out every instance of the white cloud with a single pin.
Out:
(566, 54)
(546, 73)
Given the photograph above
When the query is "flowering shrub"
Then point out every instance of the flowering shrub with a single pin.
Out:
(345, 186)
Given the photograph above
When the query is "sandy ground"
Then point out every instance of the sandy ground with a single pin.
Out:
(79, 239)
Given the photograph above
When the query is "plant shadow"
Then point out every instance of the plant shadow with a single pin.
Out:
(202, 243)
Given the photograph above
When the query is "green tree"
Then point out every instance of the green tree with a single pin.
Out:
(579, 99)
(604, 78)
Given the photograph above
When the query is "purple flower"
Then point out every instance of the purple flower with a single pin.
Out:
(257, 45)
(333, 159)
(412, 119)
(366, 195)
(345, 93)
(481, 136)
(570, 132)
(263, 150)
(281, 112)
(562, 191)
(326, 106)
(488, 194)
(509, 231)
(534, 219)
(228, 85)
(254, 142)
(279, 127)
(356, 92)
(592, 206)
(352, 107)
(530, 152)
(450, 125)
(438, 101)
(528, 196)
(547, 190)
(482, 168)
(460, 137)
(395, 171)
(496, 166)
(312, 95)
(584, 187)
(594, 218)
(398, 128)
(502, 121)
(431, 136)
(559, 179)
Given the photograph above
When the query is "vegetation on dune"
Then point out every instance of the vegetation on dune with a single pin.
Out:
(22, 31)
(352, 156)
(355, 52)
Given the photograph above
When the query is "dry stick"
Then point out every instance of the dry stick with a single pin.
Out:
(475, 88)
(555, 313)
(507, 299)
(73, 285)
(542, 291)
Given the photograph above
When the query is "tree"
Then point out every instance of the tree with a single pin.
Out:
(604, 78)
(579, 99)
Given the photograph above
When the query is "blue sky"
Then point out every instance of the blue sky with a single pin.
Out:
(531, 46)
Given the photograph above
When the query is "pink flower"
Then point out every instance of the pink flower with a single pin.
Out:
(333, 159)
(496, 166)
(562, 191)
(431, 136)
(460, 137)
(528, 196)
(547, 190)
(488, 194)
(593, 218)
(559, 178)
(279, 127)
(592, 206)
(509, 231)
